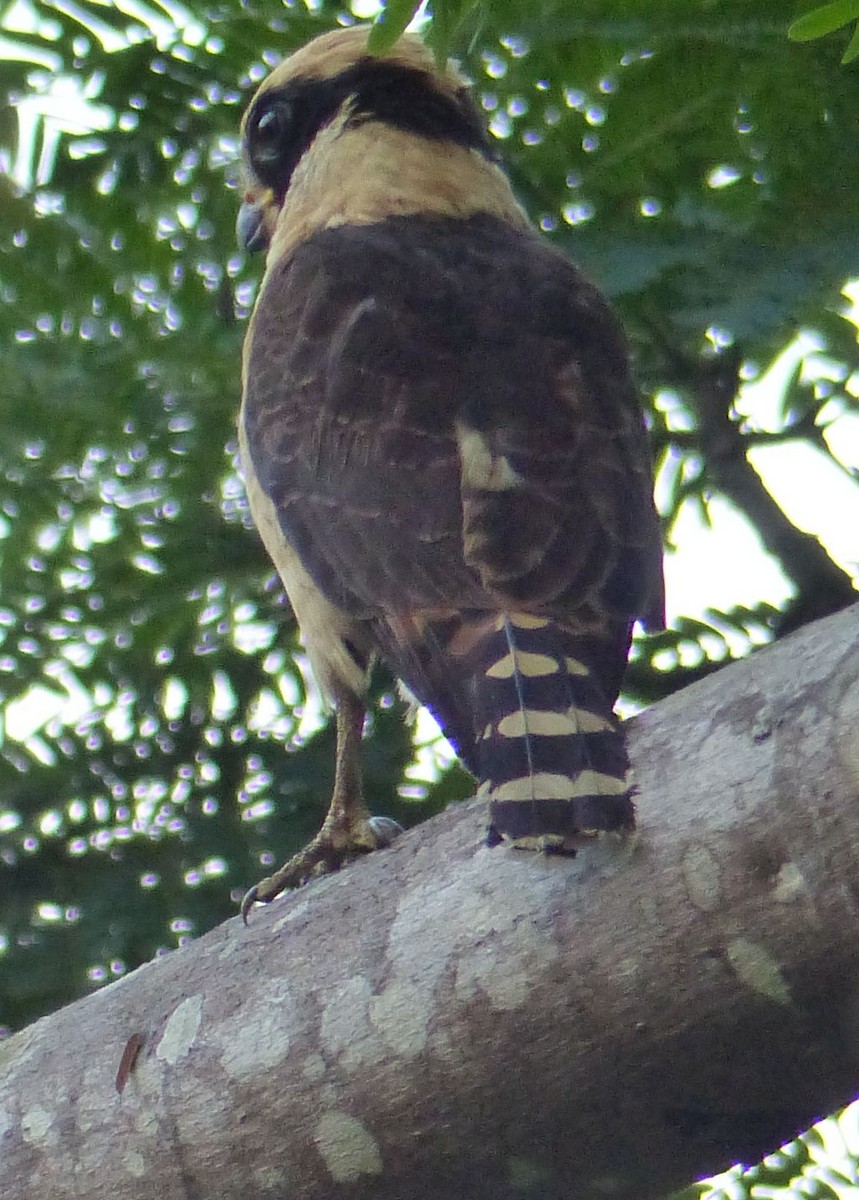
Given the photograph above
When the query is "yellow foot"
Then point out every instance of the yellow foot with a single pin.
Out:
(331, 849)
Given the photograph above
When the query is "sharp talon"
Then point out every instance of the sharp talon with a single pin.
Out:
(385, 830)
(327, 853)
(248, 901)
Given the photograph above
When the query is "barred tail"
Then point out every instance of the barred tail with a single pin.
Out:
(550, 755)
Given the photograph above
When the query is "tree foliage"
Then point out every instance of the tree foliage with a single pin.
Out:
(701, 167)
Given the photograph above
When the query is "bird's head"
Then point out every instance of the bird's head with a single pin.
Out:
(336, 135)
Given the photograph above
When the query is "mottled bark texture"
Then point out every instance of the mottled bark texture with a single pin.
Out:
(451, 1021)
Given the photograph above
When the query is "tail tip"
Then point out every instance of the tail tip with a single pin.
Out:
(558, 826)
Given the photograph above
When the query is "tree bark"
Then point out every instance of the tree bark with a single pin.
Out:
(448, 1020)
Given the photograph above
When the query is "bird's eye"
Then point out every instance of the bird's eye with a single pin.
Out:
(270, 130)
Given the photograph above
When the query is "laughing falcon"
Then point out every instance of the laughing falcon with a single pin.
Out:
(442, 445)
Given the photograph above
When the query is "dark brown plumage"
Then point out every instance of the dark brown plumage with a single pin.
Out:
(442, 443)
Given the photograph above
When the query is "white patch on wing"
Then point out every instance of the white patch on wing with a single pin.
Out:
(481, 469)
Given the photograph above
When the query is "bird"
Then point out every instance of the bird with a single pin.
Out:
(443, 447)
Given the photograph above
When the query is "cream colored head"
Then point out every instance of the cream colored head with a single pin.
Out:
(337, 136)
(331, 53)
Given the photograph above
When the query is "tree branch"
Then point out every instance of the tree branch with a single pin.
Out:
(448, 1020)
(822, 586)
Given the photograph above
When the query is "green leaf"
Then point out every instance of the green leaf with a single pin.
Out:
(446, 18)
(852, 50)
(820, 21)
(390, 24)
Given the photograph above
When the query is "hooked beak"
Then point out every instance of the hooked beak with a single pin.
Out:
(251, 232)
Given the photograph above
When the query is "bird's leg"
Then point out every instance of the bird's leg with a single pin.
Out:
(348, 829)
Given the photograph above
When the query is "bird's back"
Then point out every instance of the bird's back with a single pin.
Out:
(454, 448)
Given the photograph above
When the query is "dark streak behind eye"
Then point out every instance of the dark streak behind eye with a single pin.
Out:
(289, 118)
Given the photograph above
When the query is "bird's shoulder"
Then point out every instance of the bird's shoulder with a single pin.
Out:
(434, 266)
(488, 304)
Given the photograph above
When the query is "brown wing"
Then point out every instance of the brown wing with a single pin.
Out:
(442, 414)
